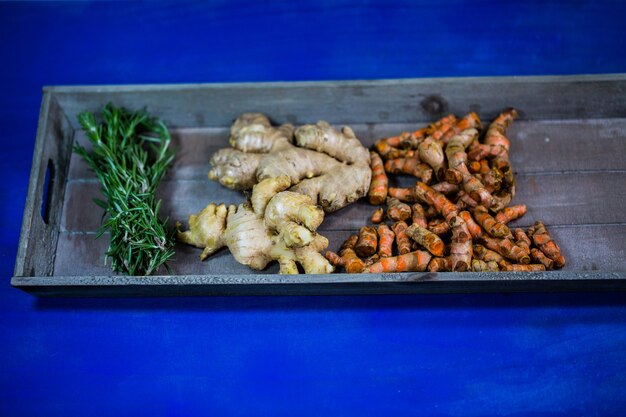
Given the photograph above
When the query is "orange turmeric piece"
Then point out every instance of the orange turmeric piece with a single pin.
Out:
(487, 255)
(430, 241)
(385, 240)
(506, 248)
(438, 226)
(445, 188)
(418, 216)
(537, 256)
(402, 240)
(522, 240)
(378, 215)
(475, 230)
(378, 186)
(461, 248)
(508, 214)
(470, 120)
(347, 257)
(493, 227)
(409, 262)
(411, 166)
(387, 145)
(479, 265)
(371, 260)
(397, 210)
(405, 194)
(367, 243)
(455, 151)
(492, 180)
(429, 196)
(476, 189)
(544, 242)
(439, 265)
(431, 152)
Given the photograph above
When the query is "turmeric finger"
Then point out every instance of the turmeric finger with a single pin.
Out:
(385, 240)
(508, 214)
(524, 268)
(438, 226)
(397, 210)
(461, 248)
(348, 258)
(445, 188)
(487, 255)
(378, 215)
(537, 256)
(506, 248)
(439, 265)
(426, 238)
(402, 240)
(367, 243)
(470, 120)
(522, 240)
(431, 152)
(429, 196)
(411, 166)
(406, 195)
(379, 183)
(418, 216)
(493, 227)
(541, 238)
(475, 230)
(482, 266)
(409, 262)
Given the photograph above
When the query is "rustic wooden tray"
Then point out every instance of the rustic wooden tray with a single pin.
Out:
(568, 152)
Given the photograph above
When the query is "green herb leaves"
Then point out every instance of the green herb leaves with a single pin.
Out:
(130, 156)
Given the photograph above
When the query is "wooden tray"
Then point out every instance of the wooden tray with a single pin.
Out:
(568, 150)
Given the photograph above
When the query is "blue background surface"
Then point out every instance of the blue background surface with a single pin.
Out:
(516, 355)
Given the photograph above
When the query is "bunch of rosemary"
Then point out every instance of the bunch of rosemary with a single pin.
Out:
(130, 156)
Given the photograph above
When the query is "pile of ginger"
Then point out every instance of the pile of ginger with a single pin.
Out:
(459, 222)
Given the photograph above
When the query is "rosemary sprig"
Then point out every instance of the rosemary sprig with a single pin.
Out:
(130, 156)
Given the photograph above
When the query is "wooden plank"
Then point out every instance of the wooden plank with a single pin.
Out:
(589, 198)
(388, 101)
(586, 248)
(536, 146)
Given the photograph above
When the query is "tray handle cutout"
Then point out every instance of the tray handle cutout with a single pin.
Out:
(47, 192)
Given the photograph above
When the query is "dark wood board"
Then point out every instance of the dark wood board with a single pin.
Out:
(568, 161)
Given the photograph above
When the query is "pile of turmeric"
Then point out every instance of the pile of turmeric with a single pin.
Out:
(457, 212)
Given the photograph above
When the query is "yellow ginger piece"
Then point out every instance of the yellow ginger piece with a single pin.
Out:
(274, 225)
(329, 166)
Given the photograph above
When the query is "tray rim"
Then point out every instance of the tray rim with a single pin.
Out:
(371, 283)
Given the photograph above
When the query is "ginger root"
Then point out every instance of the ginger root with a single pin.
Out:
(274, 225)
(330, 166)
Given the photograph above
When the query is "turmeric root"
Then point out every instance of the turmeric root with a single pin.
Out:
(367, 243)
(274, 225)
(508, 214)
(537, 256)
(406, 195)
(475, 230)
(506, 248)
(397, 210)
(482, 266)
(402, 240)
(487, 255)
(461, 248)
(411, 166)
(469, 121)
(524, 268)
(438, 226)
(445, 188)
(522, 240)
(378, 215)
(493, 227)
(418, 216)
(430, 241)
(378, 187)
(347, 257)
(409, 262)
(544, 242)
(430, 152)
(330, 166)
(455, 151)
(439, 265)
(386, 238)
(429, 196)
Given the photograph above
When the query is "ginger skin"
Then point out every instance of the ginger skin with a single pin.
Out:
(274, 225)
(332, 167)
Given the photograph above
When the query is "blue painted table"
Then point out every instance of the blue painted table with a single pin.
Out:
(517, 355)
